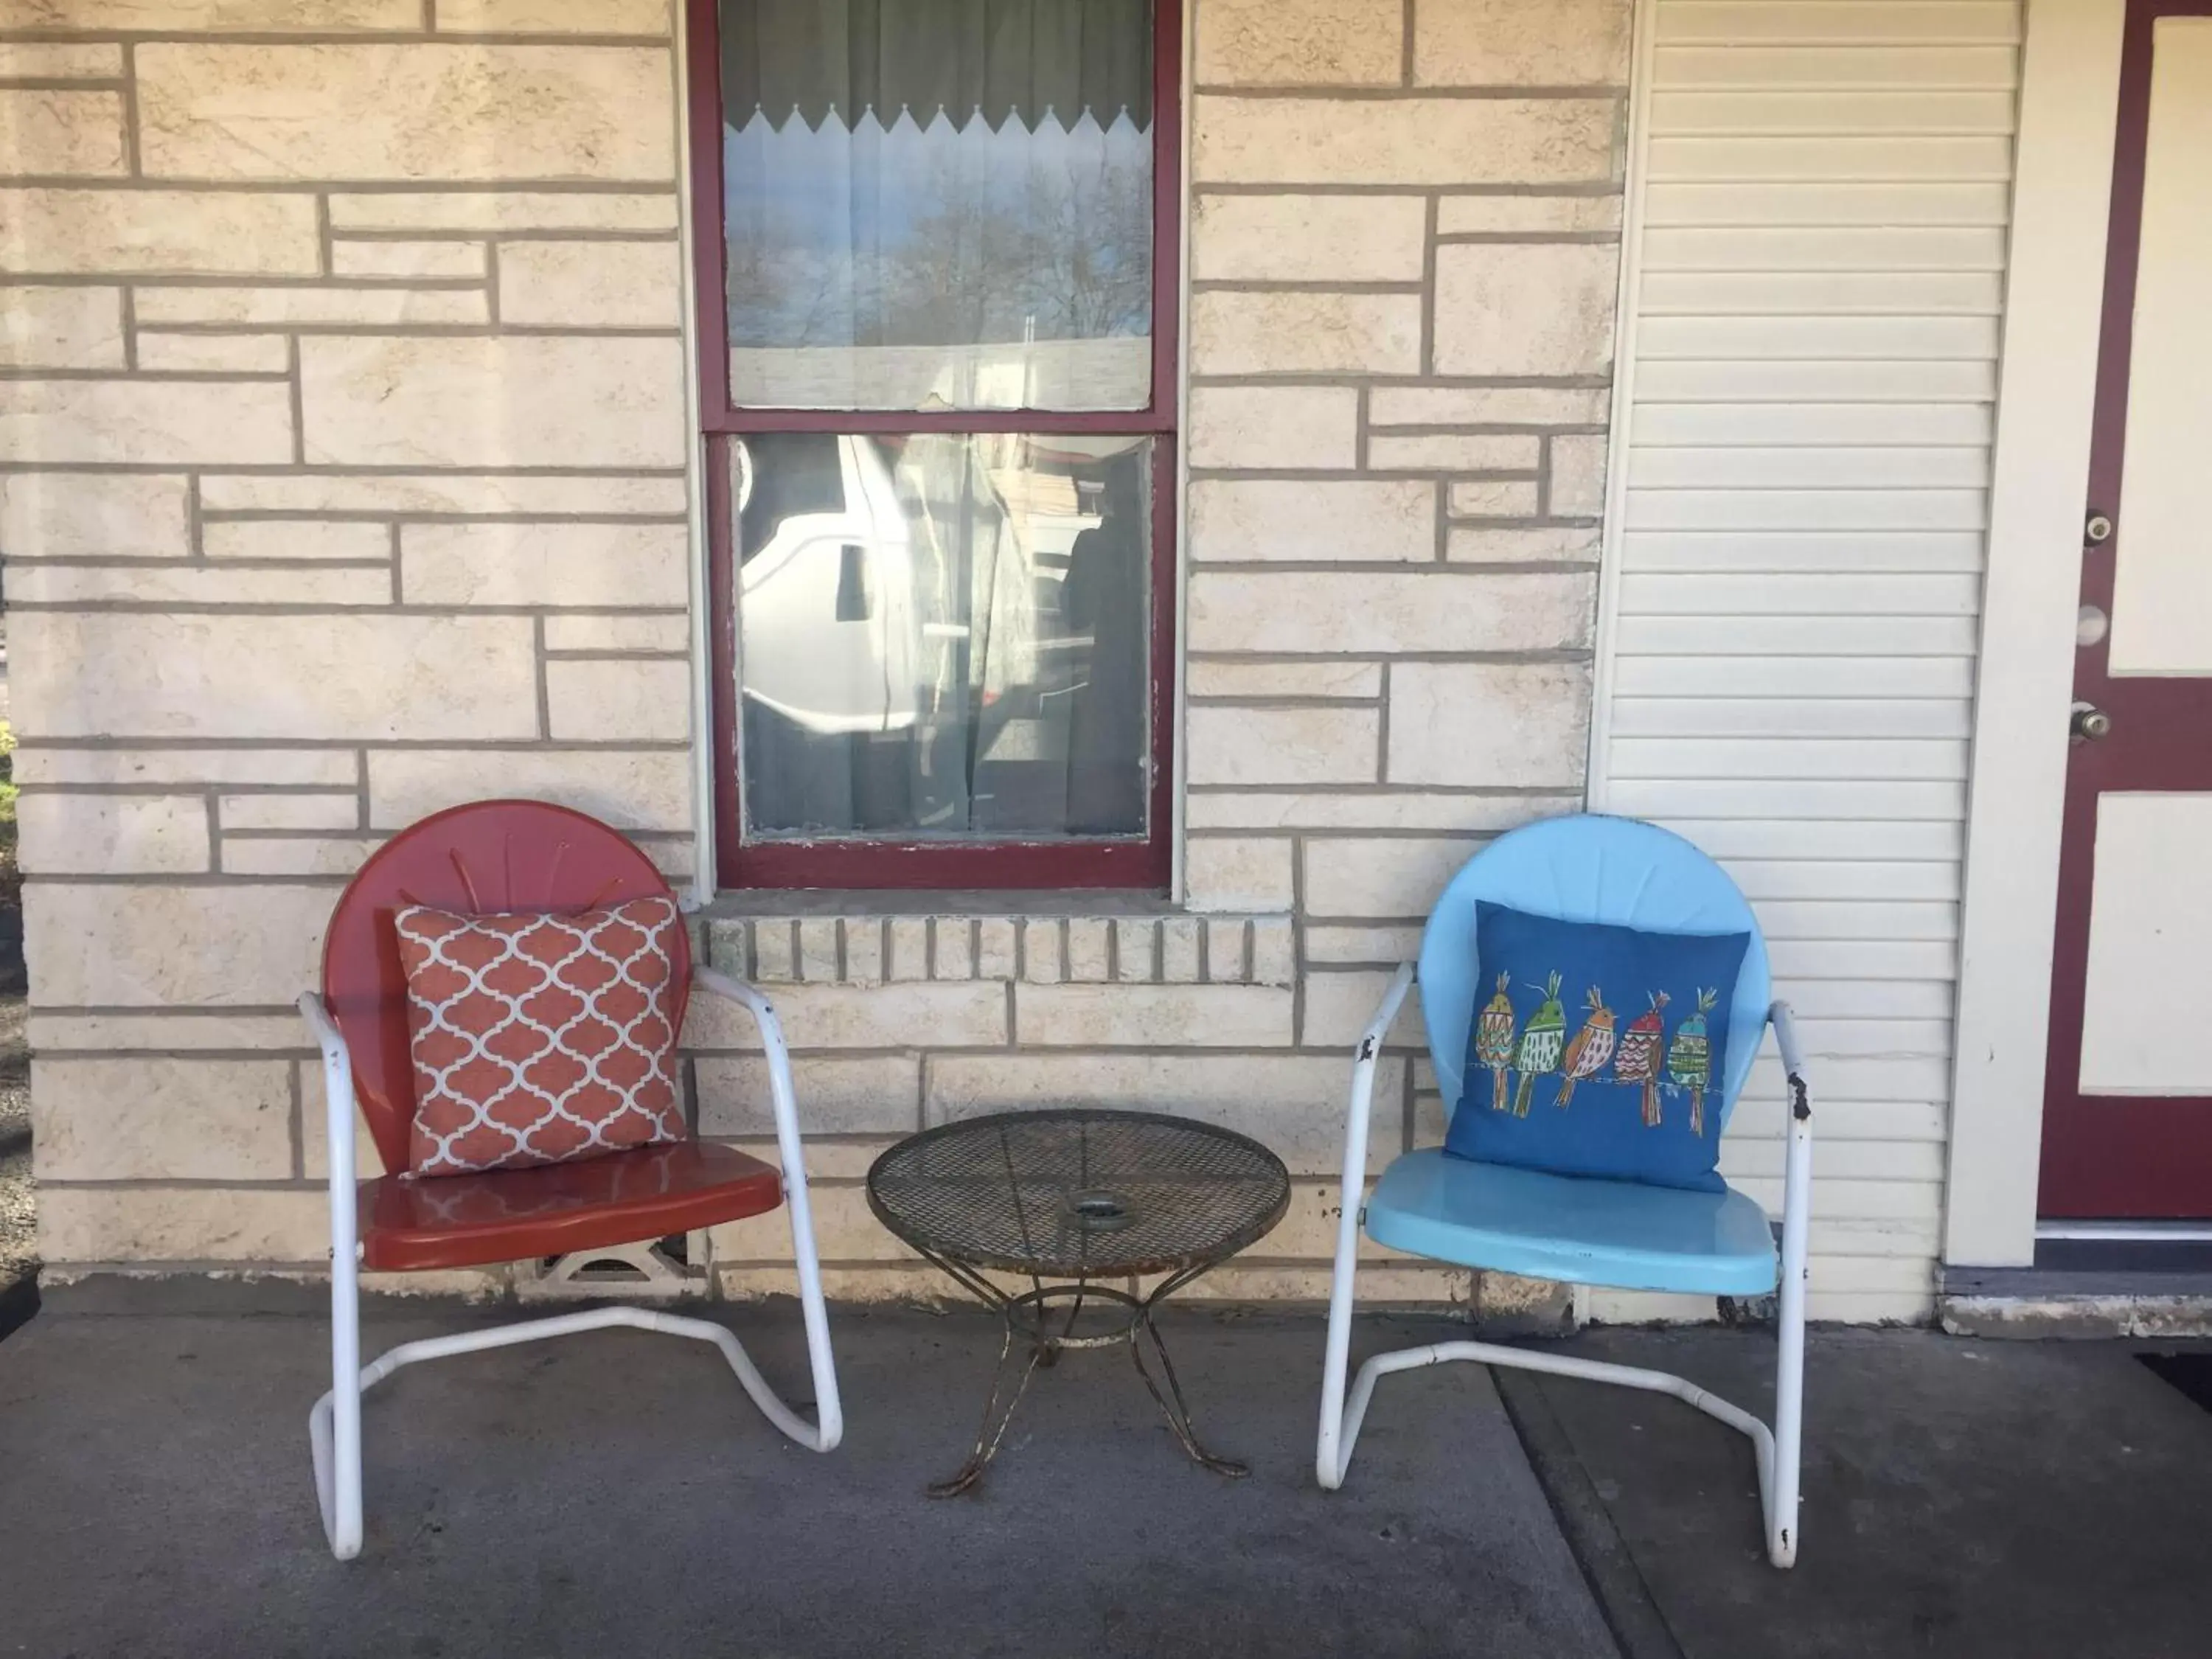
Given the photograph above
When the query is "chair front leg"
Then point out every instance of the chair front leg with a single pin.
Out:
(828, 1410)
(334, 1425)
(1333, 1450)
(1790, 1371)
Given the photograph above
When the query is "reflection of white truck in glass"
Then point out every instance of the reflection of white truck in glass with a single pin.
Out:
(850, 615)
(827, 628)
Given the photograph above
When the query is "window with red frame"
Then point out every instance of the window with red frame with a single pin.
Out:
(938, 272)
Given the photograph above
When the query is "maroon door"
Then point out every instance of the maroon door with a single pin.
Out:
(2128, 1098)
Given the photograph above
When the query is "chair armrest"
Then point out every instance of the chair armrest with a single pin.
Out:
(1793, 1059)
(1364, 1059)
(781, 1097)
(1386, 1013)
(338, 1122)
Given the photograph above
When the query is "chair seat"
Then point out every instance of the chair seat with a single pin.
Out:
(464, 1221)
(1616, 1233)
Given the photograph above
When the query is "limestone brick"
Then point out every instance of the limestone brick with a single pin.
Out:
(61, 327)
(596, 284)
(631, 789)
(1577, 488)
(1402, 141)
(619, 700)
(297, 538)
(1383, 613)
(550, 563)
(1381, 878)
(215, 110)
(213, 353)
(115, 945)
(1152, 1016)
(1488, 405)
(1454, 453)
(1247, 520)
(1533, 732)
(1309, 239)
(447, 259)
(1525, 307)
(213, 675)
(57, 228)
(503, 210)
(147, 1117)
(113, 835)
(1544, 43)
(1274, 427)
(837, 1095)
(288, 812)
(496, 401)
(1517, 214)
(668, 633)
(1268, 331)
(1320, 743)
(1521, 544)
(1229, 677)
(145, 422)
(249, 1224)
(1287, 43)
(93, 515)
(55, 131)
(1237, 873)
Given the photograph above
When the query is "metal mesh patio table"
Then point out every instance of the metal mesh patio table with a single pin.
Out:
(1078, 1195)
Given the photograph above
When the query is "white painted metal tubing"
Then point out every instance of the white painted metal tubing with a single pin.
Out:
(829, 1411)
(1777, 1451)
(1790, 1369)
(334, 1426)
(1329, 1463)
(334, 1423)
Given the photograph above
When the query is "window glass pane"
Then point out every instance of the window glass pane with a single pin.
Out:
(944, 635)
(938, 204)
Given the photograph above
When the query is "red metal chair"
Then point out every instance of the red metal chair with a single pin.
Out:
(484, 859)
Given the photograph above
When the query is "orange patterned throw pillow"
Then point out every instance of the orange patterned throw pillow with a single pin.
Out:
(539, 1039)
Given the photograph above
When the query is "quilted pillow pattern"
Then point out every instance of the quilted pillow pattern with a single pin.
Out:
(539, 1039)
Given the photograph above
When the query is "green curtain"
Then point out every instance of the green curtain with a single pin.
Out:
(1011, 58)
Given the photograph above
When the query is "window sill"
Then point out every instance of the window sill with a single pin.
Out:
(872, 939)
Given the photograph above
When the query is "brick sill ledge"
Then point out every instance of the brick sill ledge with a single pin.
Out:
(1038, 938)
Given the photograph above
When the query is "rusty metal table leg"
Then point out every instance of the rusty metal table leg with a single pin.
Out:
(1171, 1401)
(987, 1437)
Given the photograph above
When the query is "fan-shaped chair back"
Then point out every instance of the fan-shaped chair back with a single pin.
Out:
(1588, 868)
(483, 858)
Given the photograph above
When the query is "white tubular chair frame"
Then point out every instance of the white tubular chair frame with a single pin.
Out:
(1778, 1449)
(334, 1425)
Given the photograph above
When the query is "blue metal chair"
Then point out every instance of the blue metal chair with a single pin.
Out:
(1584, 868)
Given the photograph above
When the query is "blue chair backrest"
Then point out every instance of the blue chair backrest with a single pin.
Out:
(1588, 868)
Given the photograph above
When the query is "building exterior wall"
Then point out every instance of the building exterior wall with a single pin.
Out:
(1793, 590)
(343, 476)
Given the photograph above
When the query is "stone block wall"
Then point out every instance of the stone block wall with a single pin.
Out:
(342, 476)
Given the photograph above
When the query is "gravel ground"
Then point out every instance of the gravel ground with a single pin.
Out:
(17, 1232)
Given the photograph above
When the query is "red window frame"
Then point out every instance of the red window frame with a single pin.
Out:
(1061, 862)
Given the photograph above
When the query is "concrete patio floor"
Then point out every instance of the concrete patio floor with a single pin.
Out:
(616, 1494)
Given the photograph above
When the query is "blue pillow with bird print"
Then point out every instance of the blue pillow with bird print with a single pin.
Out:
(1628, 1086)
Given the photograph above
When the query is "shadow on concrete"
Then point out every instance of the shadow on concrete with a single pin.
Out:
(616, 1494)
(1974, 1499)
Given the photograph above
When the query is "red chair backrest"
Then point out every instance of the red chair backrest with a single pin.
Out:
(486, 858)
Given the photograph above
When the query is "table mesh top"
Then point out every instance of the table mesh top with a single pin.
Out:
(1079, 1193)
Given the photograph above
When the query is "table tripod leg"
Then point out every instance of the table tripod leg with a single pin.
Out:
(995, 1420)
(1171, 1401)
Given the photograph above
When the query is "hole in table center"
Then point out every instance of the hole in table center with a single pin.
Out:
(1100, 1212)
